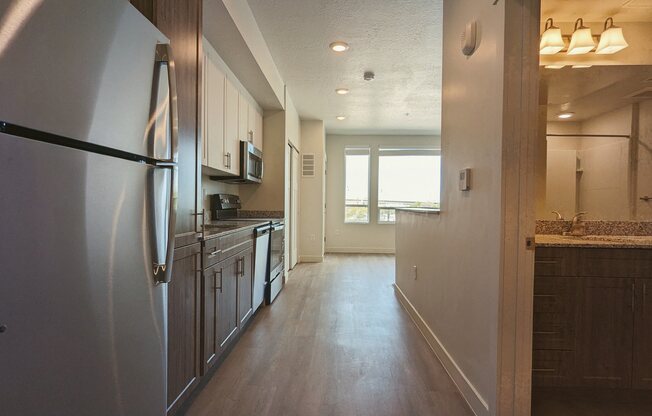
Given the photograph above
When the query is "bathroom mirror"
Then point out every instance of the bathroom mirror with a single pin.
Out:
(598, 143)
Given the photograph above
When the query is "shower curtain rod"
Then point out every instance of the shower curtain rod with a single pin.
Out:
(623, 136)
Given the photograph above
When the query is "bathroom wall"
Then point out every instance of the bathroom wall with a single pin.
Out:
(598, 182)
(643, 163)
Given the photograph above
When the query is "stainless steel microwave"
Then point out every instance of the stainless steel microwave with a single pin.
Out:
(251, 166)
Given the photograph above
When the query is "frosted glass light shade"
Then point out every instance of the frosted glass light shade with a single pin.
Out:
(551, 39)
(551, 42)
(612, 39)
(582, 40)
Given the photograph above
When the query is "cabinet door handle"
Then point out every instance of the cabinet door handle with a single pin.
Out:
(229, 160)
(644, 298)
(242, 268)
(214, 253)
(215, 279)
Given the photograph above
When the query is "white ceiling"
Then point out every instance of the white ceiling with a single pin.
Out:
(593, 91)
(399, 40)
(597, 10)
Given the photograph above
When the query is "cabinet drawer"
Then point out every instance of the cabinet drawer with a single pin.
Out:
(553, 368)
(221, 248)
(555, 312)
(615, 263)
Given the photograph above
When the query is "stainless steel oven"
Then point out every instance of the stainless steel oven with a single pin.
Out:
(277, 261)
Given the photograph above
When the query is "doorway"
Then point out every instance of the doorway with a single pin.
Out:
(293, 188)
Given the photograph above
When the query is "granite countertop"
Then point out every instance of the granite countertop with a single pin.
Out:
(221, 228)
(594, 241)
(435, 211)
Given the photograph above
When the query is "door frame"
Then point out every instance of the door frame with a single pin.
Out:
(293, 215)
(520, 130)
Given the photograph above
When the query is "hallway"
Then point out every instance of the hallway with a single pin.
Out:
(336, 342)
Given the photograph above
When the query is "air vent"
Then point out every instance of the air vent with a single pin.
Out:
(644, 94)
(308, 165)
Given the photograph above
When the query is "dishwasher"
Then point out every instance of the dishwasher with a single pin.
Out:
(261, 263)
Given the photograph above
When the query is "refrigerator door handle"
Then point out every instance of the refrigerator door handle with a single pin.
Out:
(165, 219)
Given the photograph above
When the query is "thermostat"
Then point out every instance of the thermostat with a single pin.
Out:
(465, 179)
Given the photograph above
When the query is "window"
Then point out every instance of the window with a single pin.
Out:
(356, 165)
(407, 178)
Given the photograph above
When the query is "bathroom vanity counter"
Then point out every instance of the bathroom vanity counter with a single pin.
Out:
(594, 241)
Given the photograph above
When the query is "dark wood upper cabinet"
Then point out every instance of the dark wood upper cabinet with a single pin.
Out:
(184, 325)
(642, 376)
(180, 21)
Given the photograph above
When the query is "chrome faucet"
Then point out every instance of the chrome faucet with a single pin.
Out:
(559, 216)
(578, 227)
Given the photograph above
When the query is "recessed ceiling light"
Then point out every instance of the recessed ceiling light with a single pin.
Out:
(342, 91)
(565, 116)
(339, 46)
(340, 118)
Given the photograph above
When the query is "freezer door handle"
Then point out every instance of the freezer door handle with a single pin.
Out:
(164, 178)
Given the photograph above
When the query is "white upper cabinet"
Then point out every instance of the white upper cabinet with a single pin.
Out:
(243, 116)
(258, 130)
(231, 131)
(213, 123)
(228, 116)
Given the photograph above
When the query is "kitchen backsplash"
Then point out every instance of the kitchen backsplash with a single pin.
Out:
(261, 214)
(210, 187)
(634, 228)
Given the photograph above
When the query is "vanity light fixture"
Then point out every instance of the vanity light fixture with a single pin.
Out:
(565, 116)
(552, 41)
(581, 66)
(582, 40)
(342, 91)
(339, 46)
(555, 66)
(612, 39)
(340, 118)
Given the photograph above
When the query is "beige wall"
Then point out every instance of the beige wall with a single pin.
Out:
(464, 293)
(312, 194)
(643, 161)
(360, 238)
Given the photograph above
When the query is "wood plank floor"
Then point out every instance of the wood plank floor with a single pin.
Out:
(335, 342)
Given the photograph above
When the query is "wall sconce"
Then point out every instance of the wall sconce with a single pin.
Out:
(582, 39)
(552, 41)
(612, 39)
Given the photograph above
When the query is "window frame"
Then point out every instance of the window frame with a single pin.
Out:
(369, 153)
(405, 151)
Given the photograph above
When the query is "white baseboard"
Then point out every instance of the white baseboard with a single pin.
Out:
(468, 391)
(311, 259)
(359, 250)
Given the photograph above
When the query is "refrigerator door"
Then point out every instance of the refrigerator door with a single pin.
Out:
(85, 322)
(78, 68)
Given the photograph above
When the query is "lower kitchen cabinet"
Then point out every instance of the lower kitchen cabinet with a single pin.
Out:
(183, 325)
(227, 294)
(245, 286)
(227, 302)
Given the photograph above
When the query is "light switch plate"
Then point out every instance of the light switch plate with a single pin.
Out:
(465, 179)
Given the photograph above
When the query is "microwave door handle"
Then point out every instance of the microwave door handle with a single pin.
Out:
(163, 182)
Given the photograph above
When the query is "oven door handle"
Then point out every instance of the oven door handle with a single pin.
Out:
(278, 227)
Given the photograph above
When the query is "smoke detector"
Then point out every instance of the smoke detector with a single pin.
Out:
(369, 76)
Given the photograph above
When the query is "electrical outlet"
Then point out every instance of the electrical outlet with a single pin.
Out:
(313, 237)
(414, 272)
(337, 231)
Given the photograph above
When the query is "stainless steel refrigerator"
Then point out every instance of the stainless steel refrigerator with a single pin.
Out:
(87, 208)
